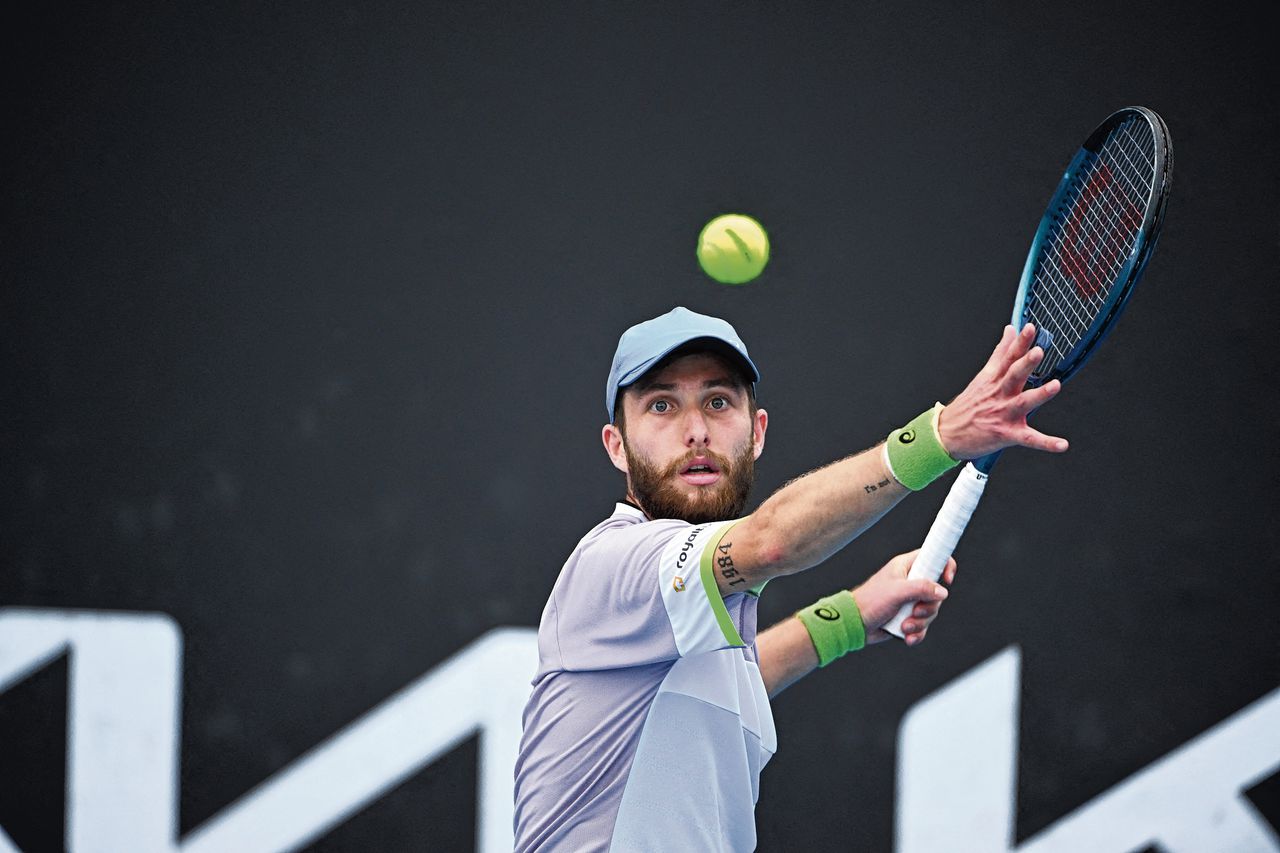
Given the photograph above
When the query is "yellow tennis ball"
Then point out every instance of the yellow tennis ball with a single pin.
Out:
(733, 248)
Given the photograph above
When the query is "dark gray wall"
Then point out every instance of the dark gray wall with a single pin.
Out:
(306, 315)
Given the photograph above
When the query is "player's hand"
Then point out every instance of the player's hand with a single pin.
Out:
(883, 594)
(991, 413)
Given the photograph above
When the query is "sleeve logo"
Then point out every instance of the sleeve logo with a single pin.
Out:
(678, 584)
(683, 557)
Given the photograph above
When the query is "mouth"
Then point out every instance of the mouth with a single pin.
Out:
(700, 472)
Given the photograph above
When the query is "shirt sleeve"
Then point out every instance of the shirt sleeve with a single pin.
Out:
(642, 593)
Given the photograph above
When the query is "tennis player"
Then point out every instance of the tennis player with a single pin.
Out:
(649, 719)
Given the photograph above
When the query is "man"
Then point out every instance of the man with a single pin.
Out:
(649, 719)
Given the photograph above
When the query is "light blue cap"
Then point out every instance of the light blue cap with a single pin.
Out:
(644, 345)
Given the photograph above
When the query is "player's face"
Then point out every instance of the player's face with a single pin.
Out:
(691, 441)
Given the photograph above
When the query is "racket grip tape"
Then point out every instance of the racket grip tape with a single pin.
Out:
(943, 535)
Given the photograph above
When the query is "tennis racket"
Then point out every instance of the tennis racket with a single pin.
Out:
(1090, 250)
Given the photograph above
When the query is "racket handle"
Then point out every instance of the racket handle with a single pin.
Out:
(943, 535)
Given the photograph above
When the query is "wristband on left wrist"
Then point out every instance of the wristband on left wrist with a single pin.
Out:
(915, 453)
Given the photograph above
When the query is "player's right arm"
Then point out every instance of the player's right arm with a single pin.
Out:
(813, 517)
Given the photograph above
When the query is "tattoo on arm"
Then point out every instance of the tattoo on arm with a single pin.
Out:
(871, 487)
(725, 562)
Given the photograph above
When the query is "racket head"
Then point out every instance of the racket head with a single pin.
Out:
(1094, 240)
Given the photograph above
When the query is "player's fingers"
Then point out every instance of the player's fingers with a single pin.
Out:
(924, 590)
(949, 573)
(1013, 345)
(1021, 343)
(925, 611)
(903, 562)
(1037, 440)
(999, 356)
(1017, 374)
(1034, 398)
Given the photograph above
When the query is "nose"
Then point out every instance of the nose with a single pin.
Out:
(695, 430)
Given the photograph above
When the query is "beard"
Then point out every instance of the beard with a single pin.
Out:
(656, 491)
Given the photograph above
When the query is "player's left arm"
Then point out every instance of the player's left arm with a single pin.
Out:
(786, 651)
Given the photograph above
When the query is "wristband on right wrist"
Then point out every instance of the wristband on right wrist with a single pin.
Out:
(835, 626)
(915, 452)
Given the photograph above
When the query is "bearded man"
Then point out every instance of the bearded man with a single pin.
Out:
(649, 719)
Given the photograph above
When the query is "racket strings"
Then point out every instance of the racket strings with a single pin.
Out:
(1093, 237)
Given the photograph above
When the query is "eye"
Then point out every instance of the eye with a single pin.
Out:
(719, 403)
(660, 406)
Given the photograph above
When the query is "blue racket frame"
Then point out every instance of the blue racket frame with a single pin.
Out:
(1132, 269)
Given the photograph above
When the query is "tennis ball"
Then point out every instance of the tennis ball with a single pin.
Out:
(733, 248)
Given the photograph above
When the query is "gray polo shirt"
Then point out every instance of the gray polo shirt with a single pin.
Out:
(648, 723)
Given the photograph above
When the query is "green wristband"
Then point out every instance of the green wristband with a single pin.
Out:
(834, 624)
(916, 454)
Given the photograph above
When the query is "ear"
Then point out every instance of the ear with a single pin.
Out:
(612, 438)
(757, 431)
